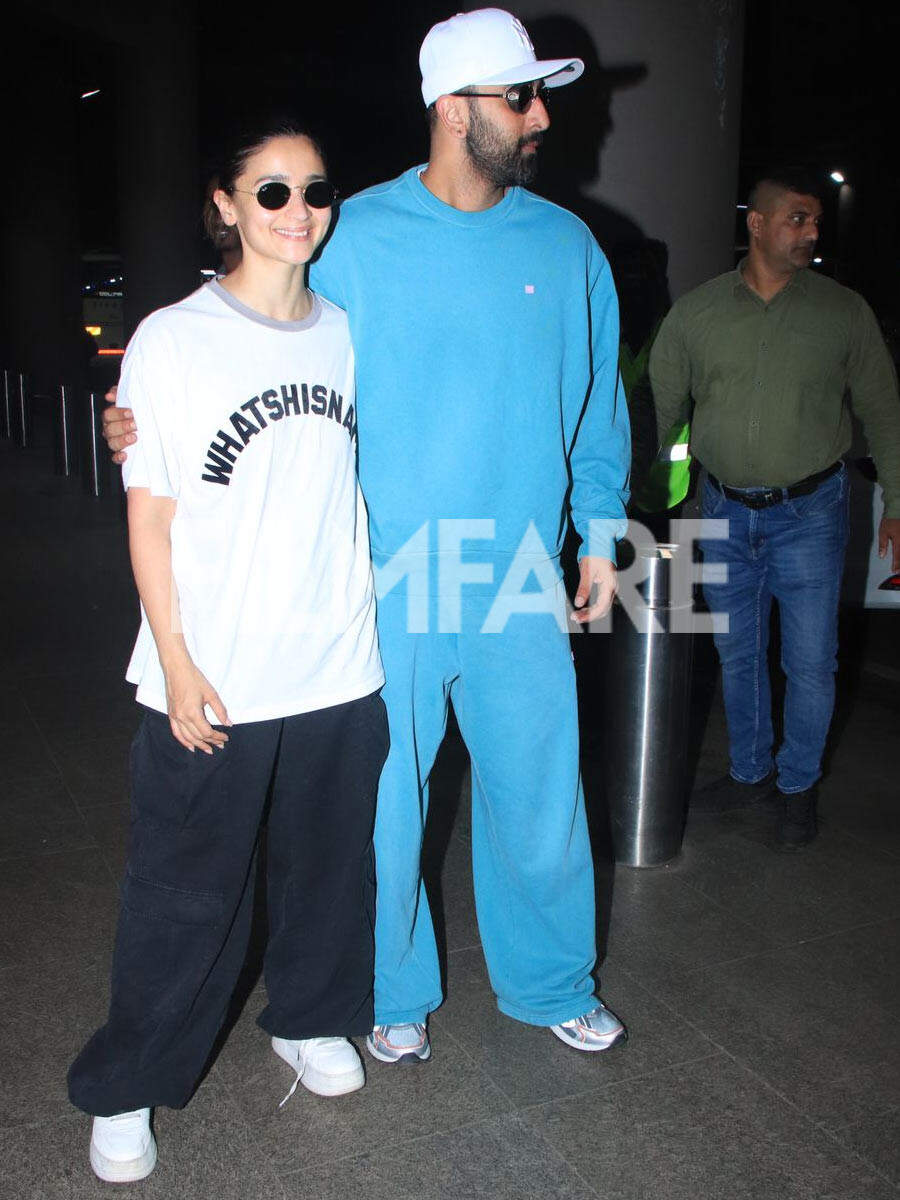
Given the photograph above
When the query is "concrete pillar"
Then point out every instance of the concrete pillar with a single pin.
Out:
(654, 126)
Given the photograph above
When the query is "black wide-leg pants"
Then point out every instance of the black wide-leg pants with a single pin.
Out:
(187, 897)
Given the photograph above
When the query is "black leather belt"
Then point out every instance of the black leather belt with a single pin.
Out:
(766, 497)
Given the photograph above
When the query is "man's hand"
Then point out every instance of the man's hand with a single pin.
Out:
(119, 428)
(597, 573)
(889, 531)
(187, 693)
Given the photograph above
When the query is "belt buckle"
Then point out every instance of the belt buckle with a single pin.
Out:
(763, 499)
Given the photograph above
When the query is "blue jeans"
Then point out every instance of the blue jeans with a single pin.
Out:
(792, 552)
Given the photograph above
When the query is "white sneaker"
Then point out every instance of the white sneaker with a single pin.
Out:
(328, 1066)
(123, 1149)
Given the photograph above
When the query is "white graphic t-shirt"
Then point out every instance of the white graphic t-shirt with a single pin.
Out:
(251, 424)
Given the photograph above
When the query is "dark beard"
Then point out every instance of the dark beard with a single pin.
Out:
(501, 164)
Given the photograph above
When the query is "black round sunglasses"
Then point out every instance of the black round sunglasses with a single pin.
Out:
(319, 193)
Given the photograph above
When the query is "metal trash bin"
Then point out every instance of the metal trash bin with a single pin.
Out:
(647, 718)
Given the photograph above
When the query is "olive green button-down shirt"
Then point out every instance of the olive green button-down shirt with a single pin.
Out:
(768, 381)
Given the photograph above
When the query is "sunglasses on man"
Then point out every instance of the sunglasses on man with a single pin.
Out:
(519, 96)
(319, 193)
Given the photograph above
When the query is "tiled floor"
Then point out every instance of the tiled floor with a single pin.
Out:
(761, 992)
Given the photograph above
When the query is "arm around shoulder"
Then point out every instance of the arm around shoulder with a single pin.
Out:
(119, 428)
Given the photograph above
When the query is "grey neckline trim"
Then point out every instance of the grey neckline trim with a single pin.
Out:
(270, 323)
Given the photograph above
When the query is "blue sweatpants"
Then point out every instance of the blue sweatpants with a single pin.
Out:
(513, 693)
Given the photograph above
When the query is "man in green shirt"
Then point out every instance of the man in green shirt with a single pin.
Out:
(766, 355)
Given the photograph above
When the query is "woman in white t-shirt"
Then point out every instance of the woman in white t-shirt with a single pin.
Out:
(258, 663)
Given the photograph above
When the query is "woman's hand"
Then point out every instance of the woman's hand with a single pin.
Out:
(187, 692)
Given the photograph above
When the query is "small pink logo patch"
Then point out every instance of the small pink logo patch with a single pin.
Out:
(529, 289)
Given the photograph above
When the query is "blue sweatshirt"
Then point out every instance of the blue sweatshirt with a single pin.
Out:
(487, 368)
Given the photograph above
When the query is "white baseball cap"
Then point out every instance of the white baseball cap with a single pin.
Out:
(488, 46)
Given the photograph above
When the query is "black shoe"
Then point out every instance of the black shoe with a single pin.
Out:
(797, 824)
(727, 793)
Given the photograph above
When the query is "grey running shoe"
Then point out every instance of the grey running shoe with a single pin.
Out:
(399, 1043)
(598, 1029)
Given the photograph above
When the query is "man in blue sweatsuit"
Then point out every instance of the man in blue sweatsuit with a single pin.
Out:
(485, 325)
